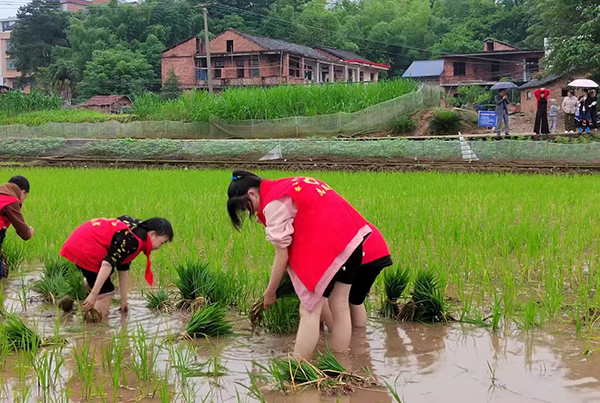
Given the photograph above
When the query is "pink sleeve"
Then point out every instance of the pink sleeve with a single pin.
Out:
(279, 216)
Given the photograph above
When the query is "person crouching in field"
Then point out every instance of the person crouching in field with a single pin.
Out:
(100, 245)
(318, 238)
(12, 196)
(376, 257)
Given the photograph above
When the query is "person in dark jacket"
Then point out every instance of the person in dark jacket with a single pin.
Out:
(585, 111)
(12, 196)
(594, 110)
(502, 112)
(541, 116)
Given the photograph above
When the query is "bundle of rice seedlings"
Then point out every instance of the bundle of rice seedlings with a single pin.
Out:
(51, 288)
(285, 289)
(195, 283)
(208, 321)
(18, 335)
(92, 316)
(330, 366)
(158, 300)
(427, 303)
(282, 317)
(76, 288)
(57, 266)
(395, 281)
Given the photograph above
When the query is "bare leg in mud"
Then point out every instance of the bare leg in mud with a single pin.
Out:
(359, 315)
(342, 324)
(308, 331)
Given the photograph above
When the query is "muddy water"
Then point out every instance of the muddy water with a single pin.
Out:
(441, 363)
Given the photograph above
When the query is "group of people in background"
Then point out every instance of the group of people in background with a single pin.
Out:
(583, 109)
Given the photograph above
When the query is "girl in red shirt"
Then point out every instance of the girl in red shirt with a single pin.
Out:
(318, 238)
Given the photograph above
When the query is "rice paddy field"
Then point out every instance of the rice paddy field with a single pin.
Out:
(515, 261)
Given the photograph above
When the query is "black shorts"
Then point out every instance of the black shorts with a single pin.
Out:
(365, 278)
(348, 272)
(91, 277)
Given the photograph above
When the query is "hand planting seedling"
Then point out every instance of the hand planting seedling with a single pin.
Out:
(285, 289)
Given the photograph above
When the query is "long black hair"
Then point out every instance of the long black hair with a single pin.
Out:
(160, 225)
(238, 202)
(21, 182)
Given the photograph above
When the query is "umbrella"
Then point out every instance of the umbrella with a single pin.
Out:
(583, 83)
(504, 85)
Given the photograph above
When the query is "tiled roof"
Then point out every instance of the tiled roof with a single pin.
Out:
(277, 44)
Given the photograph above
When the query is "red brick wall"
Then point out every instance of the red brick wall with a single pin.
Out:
(180, 59)
(478, 69)
(240, 44)
(529, 106)
(498, 46)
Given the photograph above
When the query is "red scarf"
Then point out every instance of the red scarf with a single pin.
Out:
(147, 248)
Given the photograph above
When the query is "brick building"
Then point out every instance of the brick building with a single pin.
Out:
(498, 61)
(9, 76)
(76, 5)
(557, 85)
(240, 59)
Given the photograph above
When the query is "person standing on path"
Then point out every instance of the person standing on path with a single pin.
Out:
(593, 110)
(541, 117)
(585, 105)
(554, 109)
(502, 112)
(569, 106)
(12, 196)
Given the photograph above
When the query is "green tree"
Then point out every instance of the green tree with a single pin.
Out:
(171, 88)
(60, 77)
(41, 26)
(116, 71)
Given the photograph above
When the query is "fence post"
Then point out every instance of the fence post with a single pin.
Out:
(296, 125)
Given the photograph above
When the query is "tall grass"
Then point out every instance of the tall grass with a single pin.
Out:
(14, 102)
(270, 103)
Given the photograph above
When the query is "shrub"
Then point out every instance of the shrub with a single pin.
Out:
(405, 125)
(444, 122)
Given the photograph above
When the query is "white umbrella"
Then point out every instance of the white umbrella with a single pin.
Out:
(583, 83)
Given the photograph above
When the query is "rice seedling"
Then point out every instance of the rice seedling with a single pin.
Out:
(530, 315)
(328, 376)
(85, 360)
(427, 303)
(47, 367)
(253, 390)
(195, 282)
(208, 321)
(113, 354)
(282, 317)
(14, 255)
(158, 300)
(285, 289)
(144, 357)
(395, 281)
(496, 316)
(18, 335)
(393, 389)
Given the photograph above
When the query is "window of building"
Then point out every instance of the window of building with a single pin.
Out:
(7, 25)
(460, 69)
(9, 46)
(229, 46)
(532, 67)
(362, 76)
(308, 72)
(255, 70)
(10, 64)
(294, 67)
(218, 66)
(372, 76)
(528, 95)
(241, 72)
(490, 46)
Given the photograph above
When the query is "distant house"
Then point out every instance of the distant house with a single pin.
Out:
(425, 71)
(107, 103)
(556, 84)
(499, 60)
(76, 5)
(239, 59)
